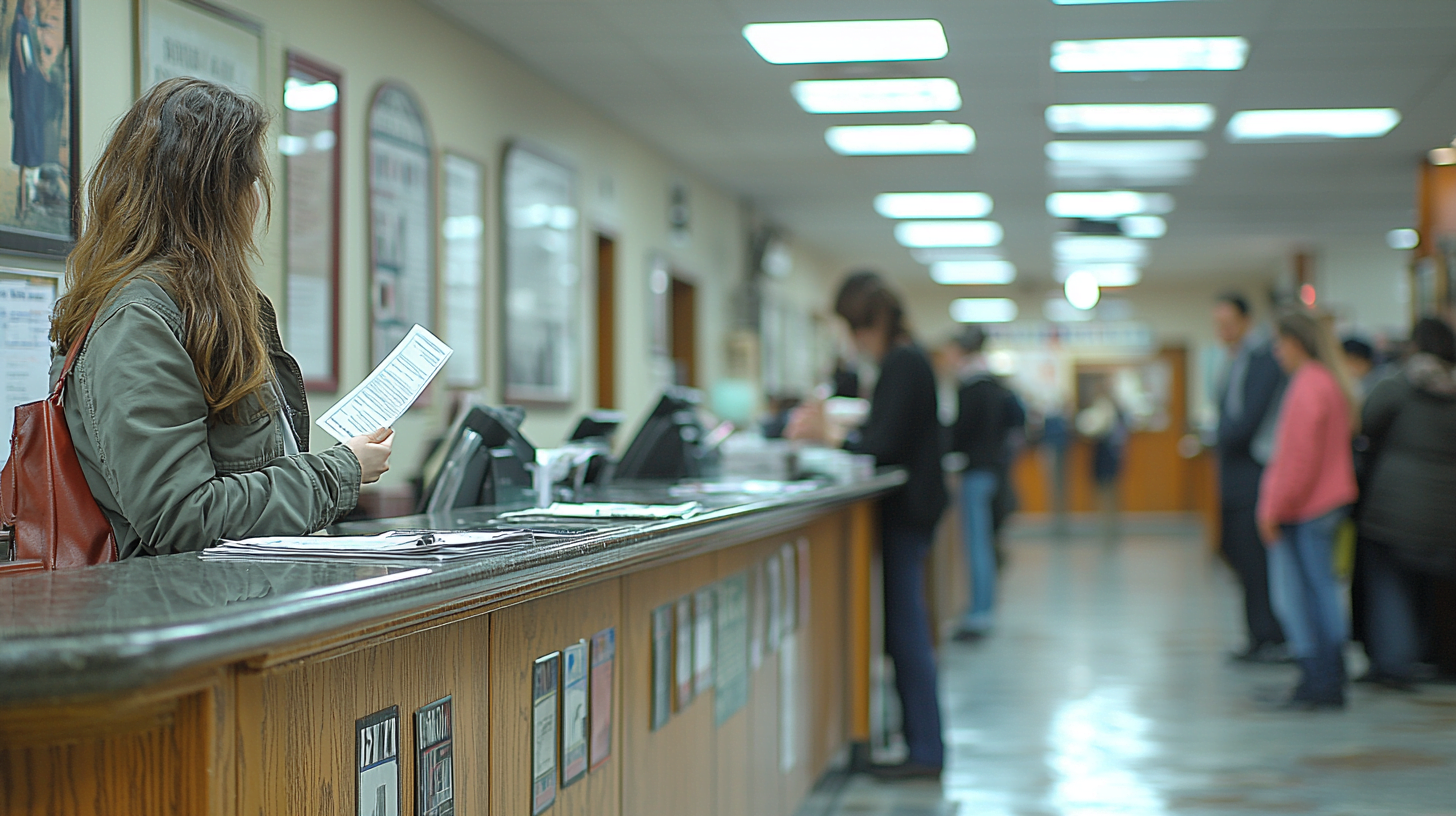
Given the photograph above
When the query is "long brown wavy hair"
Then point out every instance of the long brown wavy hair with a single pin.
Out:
(174, 191)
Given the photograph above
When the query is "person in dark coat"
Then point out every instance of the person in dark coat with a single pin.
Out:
(903, 430)
(27, 103)
(1248, 405)
(1407, 518)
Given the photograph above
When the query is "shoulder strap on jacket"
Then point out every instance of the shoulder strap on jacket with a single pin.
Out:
(71, 356)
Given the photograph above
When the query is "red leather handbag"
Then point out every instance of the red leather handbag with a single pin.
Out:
(45, 502)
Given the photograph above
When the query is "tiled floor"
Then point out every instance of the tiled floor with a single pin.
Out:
(1105, 691)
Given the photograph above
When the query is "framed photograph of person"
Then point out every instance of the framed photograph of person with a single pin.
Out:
(37, 206)
(542, 249)
(198, 39)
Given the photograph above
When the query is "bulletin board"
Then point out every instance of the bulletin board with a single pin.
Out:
(26, 300)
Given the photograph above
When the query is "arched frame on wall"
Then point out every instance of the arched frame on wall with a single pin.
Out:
(402, 240)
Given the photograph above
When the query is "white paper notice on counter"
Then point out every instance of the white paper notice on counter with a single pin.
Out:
(390, 389)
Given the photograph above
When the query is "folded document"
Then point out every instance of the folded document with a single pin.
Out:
(401, 545)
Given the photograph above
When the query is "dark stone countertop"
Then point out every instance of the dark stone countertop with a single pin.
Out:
(137, 622)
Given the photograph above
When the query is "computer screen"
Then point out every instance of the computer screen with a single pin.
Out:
(485, 461)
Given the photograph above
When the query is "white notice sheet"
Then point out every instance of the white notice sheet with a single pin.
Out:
(390, 389)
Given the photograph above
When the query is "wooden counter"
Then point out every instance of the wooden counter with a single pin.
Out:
(178, 685)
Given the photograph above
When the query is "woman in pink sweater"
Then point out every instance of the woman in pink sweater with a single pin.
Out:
(1306, 491)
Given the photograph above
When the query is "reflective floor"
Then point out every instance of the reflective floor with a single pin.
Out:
(1105, 690)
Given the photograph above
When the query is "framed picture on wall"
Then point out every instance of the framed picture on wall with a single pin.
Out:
(198, 39)
(37, 206)
(462, 231)
(401, 218)
(542, 273)
(312, 124)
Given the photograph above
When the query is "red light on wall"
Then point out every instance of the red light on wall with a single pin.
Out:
(1307, 295)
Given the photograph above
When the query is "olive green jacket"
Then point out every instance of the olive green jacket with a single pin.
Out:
(168, 479)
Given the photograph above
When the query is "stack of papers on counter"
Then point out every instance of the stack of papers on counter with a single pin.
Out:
(610, 510)
(402, 545)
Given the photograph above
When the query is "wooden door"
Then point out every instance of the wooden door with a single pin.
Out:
(685, 331)
(606, 322)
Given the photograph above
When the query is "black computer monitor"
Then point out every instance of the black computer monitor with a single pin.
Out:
(600, 424)
(485, 461)
(672, 443)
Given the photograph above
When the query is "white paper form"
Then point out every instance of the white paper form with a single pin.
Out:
(390, 389)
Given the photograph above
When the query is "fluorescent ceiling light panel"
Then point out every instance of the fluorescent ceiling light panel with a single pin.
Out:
(1107, 204)
(1152, 54)
(847, 41)
(1143, 226)
(935, 255)
(876, 95)
(1150, 151)
(1134, 174)
(308, 96)
(933, 205)
(1088, 249)
(1442, 156)
(983, 310)
(973, 273)
(1306, 125)
(900, 140)
(948, 233)
(1402, 239)
(1129, 118)
(1107, 275)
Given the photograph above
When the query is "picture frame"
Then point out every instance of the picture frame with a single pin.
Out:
(199, 39)
(462, 236)
(541, 276)
(402, 227)
(312, 147)
(39, 211)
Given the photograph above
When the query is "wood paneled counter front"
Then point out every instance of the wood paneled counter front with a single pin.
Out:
(178, 685)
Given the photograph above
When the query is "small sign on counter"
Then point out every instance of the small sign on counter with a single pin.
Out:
(377, 749)
(603, 667)
(435, 762)
(545, 683)
(573, 713)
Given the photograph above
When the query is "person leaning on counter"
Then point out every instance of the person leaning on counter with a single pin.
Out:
(187, 415)
(903, 430)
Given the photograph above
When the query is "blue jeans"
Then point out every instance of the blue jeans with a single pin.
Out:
(978, 491)
(1306, 599)
(907, 639)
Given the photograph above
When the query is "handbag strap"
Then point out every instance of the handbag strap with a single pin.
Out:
(71, 358)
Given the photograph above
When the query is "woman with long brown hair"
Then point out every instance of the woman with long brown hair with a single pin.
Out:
(188, 417)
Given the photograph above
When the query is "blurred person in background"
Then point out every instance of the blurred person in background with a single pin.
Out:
(1409, 511)
(1104, 425)
(1248, 401)
(1364, 365)
(903, 430)
(1304, 495)
(987, 415)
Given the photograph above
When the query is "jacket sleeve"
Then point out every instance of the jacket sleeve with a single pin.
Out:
(1261, 385)
(1293, 471)
(965, 421)
(889, 435)
(148, 421)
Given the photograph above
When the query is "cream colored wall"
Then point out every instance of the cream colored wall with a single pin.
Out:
(476, 100)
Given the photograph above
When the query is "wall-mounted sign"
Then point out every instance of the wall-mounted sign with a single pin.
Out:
(435, 759)
(377, 754)
(401, 219)
(545, 683)
(202, 40)
(661, 665)
(573, 713)
(603, 669)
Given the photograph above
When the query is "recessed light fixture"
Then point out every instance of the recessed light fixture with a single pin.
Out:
(876, 95)
(948, 233)
(1129, 118)
(1402, 239)
(1108, 204)
(1442, 156)
(1088, 249)
(1143, 226)
(973, 273)
(983, 310)
(892, 140)
(1082, 290)
(1151, 54)
(847, 41)
(1125, 152)
(1107, 275)
(933, 255)
(933, 205)
(1307, 125)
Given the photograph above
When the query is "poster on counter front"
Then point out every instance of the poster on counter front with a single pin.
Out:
(377, 755)
(683, 652)
(789, 605)
(661, 665)
(545, 685)
(730, 672)
(573, 713)
(702, 642)
(435, 759)
(774, 589)
(603, 669)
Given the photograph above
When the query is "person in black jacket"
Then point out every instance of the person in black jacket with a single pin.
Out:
(988, 413)
(1248, 395)
(1408, 515)
(903, 430)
